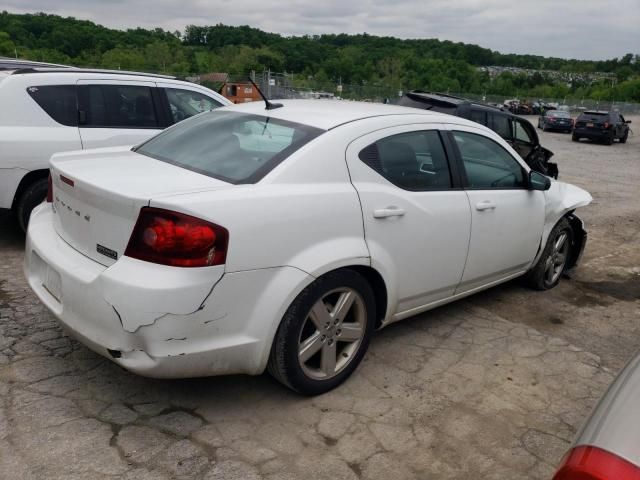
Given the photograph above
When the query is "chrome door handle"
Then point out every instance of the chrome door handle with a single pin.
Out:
(388, 212)
(485, 205)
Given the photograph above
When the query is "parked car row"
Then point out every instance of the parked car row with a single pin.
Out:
(594, 125)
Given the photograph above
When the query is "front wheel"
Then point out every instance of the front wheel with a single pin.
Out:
(324, 334)
(34, 195)
(553, 261)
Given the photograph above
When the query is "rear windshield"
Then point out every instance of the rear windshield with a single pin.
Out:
(230, 146)
(594, 116)
(559, 113)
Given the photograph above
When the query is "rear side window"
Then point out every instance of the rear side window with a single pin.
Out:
(500, 125)
(487, 164)
(234, 147)
(479, 116)
(58, 101)
(187, 103)
(412, 161)
(120, 106)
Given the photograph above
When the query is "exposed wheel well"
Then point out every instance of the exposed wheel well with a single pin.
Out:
(379, 288)
(579, 239)
(27, 180)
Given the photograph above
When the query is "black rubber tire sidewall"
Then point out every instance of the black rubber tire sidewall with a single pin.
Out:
(283, 361)
(34, 195)
(623, 139)
(535, 278)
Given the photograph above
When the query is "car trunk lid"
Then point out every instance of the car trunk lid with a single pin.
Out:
(97, 196)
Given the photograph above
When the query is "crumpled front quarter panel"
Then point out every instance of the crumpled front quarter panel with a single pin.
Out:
(561, 199)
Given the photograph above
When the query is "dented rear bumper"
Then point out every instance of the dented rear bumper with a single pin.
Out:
(155, 320)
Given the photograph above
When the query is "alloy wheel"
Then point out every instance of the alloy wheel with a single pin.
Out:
(557, 259)
(332, 333)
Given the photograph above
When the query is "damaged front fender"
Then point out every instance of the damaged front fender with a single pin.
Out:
(561, 200)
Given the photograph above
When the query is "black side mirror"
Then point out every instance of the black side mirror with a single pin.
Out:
(628, 121)
(538, 181)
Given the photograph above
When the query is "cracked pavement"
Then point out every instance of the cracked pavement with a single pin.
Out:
(491, 387)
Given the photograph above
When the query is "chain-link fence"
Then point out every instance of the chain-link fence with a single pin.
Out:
(287, 85)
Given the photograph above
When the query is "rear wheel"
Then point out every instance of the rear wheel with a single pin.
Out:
(553, 261)
(623, 139)
(30, 198)
(608, 140)
(324, 334)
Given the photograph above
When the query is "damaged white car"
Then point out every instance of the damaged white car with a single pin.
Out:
(280, 238)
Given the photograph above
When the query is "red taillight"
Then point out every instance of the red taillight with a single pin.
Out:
(592, 463)
(50, 190)
(172, 238)
(606, 125)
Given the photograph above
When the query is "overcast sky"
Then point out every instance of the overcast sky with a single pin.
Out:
(584, 29)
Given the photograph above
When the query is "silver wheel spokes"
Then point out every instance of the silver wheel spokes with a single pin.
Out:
(557, 258)
(332, 333)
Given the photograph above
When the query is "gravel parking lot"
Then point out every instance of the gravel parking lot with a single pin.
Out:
(491, 387)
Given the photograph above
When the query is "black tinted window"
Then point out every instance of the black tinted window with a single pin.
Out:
(234, 147)
(413, 161)
(500, 125)
(479, 116)
(487, 164)
(59, 101)
(120, 106)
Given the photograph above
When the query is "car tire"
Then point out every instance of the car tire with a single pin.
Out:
(575, 138)
(608, 140)
(554, 259)
(623, 139)
(35, 194)
(539, 126)
(310, 320)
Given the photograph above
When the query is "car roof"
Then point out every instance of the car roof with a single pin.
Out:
(595, 112)
(76, 71)
(7, 63)
(328, 114)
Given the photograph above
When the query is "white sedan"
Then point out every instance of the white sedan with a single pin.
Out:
(248, 238)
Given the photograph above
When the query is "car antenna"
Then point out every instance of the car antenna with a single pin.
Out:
(269, 105)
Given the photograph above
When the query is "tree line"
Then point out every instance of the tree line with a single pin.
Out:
(363, 59)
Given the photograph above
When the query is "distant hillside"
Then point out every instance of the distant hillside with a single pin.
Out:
(322, 60)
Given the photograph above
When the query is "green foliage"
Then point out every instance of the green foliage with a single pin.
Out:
(319, 61)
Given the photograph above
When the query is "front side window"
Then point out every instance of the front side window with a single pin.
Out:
(487, 164)
(120, 106)
(234, 147)
(58, 101)
(187, 103)
(412, 161)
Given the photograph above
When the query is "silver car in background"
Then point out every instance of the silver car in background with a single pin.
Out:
(608, 445)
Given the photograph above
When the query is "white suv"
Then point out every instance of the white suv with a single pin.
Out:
(49, 110)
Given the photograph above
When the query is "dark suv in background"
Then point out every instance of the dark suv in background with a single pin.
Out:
(518, 132)
(601, 126)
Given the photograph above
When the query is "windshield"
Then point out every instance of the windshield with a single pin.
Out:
(234, 147)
